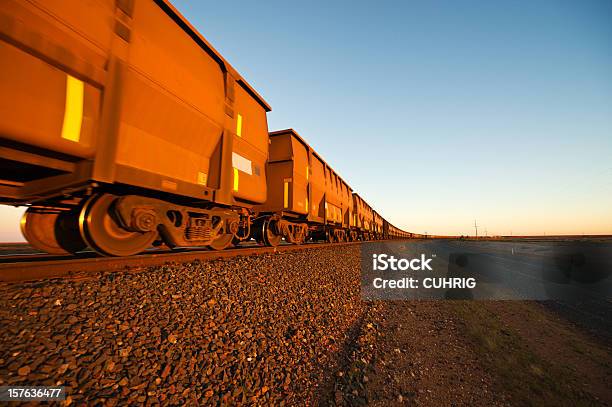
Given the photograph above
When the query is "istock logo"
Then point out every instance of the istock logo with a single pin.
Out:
(385, 262)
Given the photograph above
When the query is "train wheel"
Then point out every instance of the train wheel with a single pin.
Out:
(222, 242)
(269, 235)
(330, 237)
(102, 232)
(52, 232)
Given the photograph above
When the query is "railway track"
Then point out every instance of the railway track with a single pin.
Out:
(31, 267)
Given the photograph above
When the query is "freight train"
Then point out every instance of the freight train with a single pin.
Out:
(122, 128)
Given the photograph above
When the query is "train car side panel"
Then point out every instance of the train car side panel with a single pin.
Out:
(250, 148)
(286, 173)
(172, 115)
(51, 87)
(317, 189)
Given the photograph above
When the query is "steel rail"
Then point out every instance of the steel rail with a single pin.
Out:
(83, 267)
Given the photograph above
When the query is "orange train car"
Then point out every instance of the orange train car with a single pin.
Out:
(364, 224)
(121, 127)
(307, 199)
(377, 225)
(123, 105)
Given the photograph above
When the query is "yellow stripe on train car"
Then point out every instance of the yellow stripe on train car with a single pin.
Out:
(239, 126)
(286, 195)
(73, 111)
(236, 179)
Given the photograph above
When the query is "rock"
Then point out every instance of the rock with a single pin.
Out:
(24, 370)
(250, 330)
(166, 371)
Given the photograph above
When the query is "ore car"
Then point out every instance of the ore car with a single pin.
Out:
(377, 225)
(307, 199)
(122, 126)
(364, 218)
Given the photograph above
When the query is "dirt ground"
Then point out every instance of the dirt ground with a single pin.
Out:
(472, 353)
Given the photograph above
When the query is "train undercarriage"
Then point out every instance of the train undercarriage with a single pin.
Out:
(124, 225)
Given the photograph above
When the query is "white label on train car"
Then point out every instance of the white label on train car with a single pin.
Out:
(241, 163)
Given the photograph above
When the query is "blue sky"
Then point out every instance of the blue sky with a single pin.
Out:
(441, 112)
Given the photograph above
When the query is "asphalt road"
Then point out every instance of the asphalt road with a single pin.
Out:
(571, 278)
(502, 270)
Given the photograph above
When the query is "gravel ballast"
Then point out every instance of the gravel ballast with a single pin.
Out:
(254, 329)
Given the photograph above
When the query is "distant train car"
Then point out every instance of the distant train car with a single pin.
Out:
(392, 232)
(385, 233)
(364, 218)
(377, 226)
(306, 197)
(396, 233)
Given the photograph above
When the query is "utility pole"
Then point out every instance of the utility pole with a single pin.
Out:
(476, 227)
